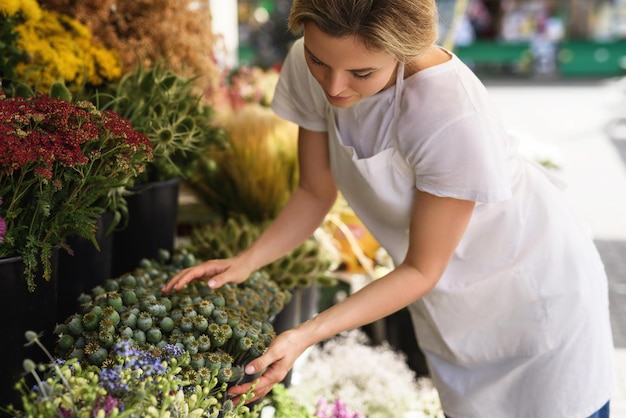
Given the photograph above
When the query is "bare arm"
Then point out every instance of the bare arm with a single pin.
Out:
(303, 213)
(437, 226)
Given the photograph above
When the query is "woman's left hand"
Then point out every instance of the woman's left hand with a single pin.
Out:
(275, 364)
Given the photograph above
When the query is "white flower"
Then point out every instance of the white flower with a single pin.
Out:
(372, 379)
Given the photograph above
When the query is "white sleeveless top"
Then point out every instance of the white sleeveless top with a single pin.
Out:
(518, 325)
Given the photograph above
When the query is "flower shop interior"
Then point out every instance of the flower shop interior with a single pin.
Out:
(138, 140)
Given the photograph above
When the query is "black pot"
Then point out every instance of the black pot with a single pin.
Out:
(23, 311)
(87, 268)
(152, 212)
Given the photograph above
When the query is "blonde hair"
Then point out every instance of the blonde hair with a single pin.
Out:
(403, 28)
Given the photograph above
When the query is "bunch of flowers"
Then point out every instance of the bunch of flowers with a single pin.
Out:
(221, 329)
(246, 85)
(336, 409)
(54, 46)
(59, 163)
(134, 383)
(372, 379)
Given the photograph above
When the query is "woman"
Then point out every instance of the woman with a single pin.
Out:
(506, 290)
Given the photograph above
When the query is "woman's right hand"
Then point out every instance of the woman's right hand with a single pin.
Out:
(215, 273)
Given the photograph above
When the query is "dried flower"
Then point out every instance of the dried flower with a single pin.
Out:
(59, 161)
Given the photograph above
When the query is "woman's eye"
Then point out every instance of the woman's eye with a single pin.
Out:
(362, 76)
(315, 61)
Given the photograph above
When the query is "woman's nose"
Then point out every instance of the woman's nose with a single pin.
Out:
(335, 83)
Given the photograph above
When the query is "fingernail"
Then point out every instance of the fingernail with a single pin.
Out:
(212, 283)
(250, 370)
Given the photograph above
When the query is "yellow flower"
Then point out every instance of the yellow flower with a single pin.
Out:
(9, 7)
(30, 9)
(62, 48)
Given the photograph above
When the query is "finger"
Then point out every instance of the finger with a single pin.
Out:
(262, 386)
(177, 282)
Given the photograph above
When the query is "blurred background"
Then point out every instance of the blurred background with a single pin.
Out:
(523, 38)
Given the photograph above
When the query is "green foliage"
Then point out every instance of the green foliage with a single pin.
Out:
(165, 107)
(59, 164)
(10, 53)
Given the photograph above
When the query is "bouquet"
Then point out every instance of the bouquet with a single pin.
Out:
(60, 163)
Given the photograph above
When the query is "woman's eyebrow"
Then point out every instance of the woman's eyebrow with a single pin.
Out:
(356, 70)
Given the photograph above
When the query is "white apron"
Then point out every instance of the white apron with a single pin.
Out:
(518, 325)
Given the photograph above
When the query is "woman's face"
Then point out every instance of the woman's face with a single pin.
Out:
(345, 69)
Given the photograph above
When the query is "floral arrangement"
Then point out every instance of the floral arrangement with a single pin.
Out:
(59, 161)
(221, 329)
(56, 47)
(371, 379)
(135, 383)
(145, 32)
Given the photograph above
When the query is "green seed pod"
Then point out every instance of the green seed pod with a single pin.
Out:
(140, 337)
(128, 281)
(129, 297)
(226, 330)
(144, 321)
(126, 332)
(84, 298)
(213, 361)
(90, 321)
(244, 344)
(75, 325)
(186, 324)
(220, 316)
(66, 342)
(129, 319)
(154, 335)
(200, 323)
(197, 361)
(219, 301)
(115, 301)
(156, 309)
(166, 302)
(163, 255)
(189, 260)
(106, 325)
(97, 357)
(192, 347)
(205, 308)
(106, 338)
(176, 314)
(190, 312)
(111, 314)
(204, 343)
(167, 324)
(111, 285)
